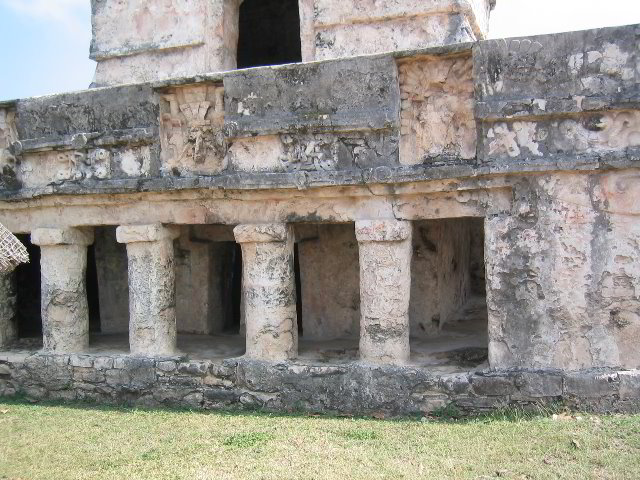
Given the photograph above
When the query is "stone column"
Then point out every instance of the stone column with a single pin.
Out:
(152, 299)
(63, 265)
(268, 291)
(385, 286)
(8, 299)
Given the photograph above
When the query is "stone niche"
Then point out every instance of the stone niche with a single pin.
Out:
(447, 255)
(140, 40)
(191, 133)
(437, 118)
(329, 281)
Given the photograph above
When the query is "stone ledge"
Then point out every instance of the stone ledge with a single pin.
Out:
(243, 383)
(146, 233)
(62, 236)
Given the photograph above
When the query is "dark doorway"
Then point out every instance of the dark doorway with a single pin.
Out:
(232, 291)
(269, 33)
(93, 298)
(28, 292)
(296, 269)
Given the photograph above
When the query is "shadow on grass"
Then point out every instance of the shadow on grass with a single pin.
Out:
(447, 414)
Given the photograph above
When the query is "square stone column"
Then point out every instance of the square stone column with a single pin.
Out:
(152, 298)
(385, 287)
(64, 309)
(268, 291)
(8, 299)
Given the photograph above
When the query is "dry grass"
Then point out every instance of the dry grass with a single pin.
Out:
(84, 442)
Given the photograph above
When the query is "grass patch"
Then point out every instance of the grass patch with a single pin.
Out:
(360, 434)
(246, 440)
(108, 443)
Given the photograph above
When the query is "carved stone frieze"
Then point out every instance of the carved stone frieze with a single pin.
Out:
(437, 110)
(8, 135)
(310, 153)
(600, 132)
(191, 135)
(343, 151)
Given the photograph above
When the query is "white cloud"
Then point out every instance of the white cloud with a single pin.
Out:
(67, 14)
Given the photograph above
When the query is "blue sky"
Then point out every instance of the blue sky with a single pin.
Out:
(44, 44)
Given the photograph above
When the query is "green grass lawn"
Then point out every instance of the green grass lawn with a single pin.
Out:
(86, 442)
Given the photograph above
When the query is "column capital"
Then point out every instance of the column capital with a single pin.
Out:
(382, 230)
(62, 236)
(262, 233)
(154, 232)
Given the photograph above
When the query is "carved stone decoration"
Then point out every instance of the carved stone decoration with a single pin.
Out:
(311, 153)
(80, 165)
(437, 110)
(601, 132)
(8, 135)
(191, 135)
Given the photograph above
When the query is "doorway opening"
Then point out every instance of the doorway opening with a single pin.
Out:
(27, 287)
(328, 280)
(447, 310)
(269, 33)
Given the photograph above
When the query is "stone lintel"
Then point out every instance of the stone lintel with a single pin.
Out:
(382, 230)
(154, 232)
(62, 236)
(261, 233)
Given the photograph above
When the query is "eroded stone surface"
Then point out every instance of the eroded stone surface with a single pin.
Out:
(437, 110)
(136, 41)
(563, 265)
(385, 280)
(152, 315)
(268, 291)
(64, 308)
(363, 27)
(191, 121)
(8, 299)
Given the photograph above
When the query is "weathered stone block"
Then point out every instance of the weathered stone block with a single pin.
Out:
(315, 97)
(538, 384)
(81, 361)
(194, 368)
(585, 385)
(492, 386)
(630, 384)
(88, 375)
(166, 366)
(103, 363)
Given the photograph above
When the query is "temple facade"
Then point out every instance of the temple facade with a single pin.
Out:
(353, 206)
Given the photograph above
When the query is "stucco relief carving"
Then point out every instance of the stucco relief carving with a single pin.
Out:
(588, 133)
(309, 153)
(8, 135)
(437, 110)
(615, 130)
(191, 136)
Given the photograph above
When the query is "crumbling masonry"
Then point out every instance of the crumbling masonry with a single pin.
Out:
(403, 217)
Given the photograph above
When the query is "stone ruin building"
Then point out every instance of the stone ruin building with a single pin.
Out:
(341, 206)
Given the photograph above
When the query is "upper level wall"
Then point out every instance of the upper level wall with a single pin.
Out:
(343, 28)
(147, 40)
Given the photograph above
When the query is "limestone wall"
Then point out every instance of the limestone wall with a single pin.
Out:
(562, 275)
(249, 384)
(355, 27)
(140, 40)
